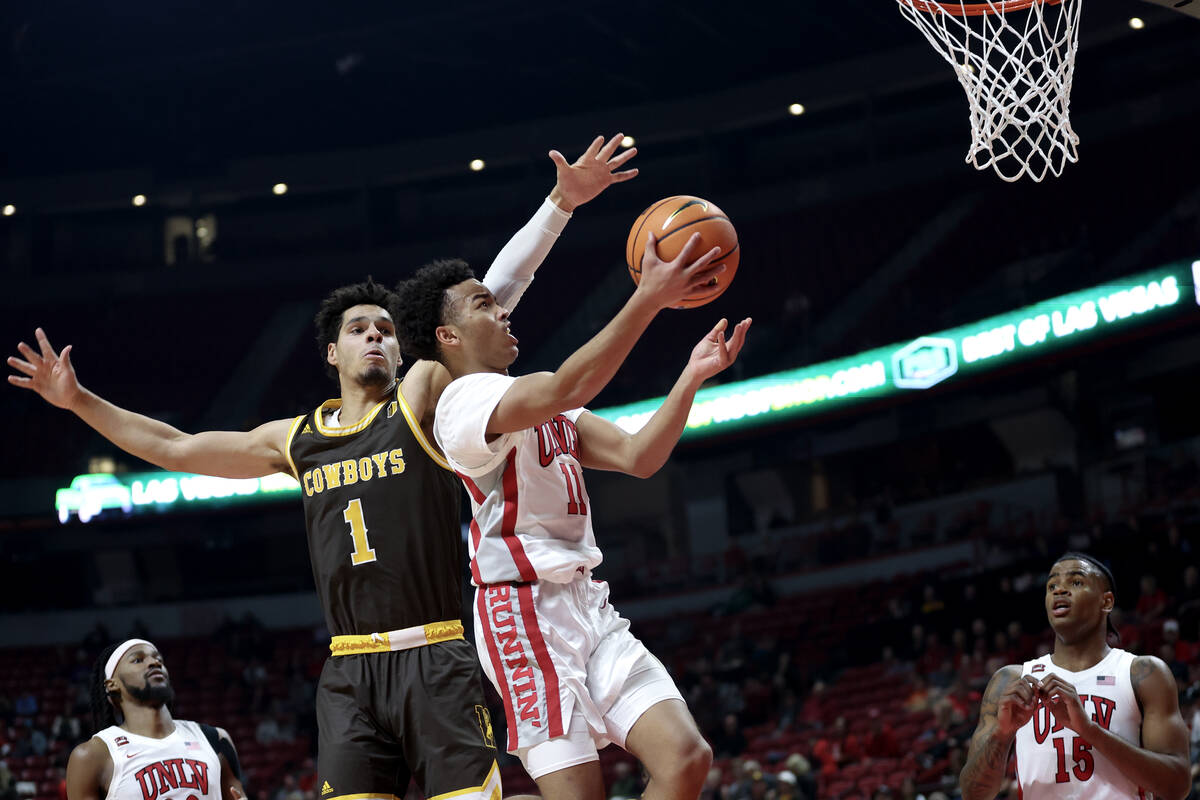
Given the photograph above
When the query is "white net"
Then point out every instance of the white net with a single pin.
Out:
(1015, 60)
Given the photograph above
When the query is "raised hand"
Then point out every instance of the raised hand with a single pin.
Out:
(714, 353)
(591, 173)
(671, 282)
(48, 373)
(1016, 704)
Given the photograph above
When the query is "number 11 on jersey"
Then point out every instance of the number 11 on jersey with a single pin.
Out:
(363, 552)
(576, 504)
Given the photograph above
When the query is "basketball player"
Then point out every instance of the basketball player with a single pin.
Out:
(1086, 721)
(402, 693)
(138, 751)
(572, 676)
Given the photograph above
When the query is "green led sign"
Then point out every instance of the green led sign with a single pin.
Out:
(943, 357)
(89, 495)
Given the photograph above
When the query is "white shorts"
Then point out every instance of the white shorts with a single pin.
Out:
(568, 669)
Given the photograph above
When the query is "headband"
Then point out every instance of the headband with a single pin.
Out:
(117, 654)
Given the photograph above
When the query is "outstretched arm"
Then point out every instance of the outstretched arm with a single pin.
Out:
(577, 183)
(603, 445)
(1160, 765)
(226, 454)
(1008, 703)
(533, 399)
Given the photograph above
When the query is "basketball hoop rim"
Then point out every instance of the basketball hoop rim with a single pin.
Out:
(975, 9)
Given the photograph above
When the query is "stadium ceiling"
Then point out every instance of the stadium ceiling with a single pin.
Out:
(183, 87)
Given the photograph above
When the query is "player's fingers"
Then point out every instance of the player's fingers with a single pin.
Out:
(617, 161)
(738, 339)
(65, 356)
(651, 245)
(715, 333)
(44, 343)
(610, 147)
(17, 380)
(703, 263)
(629, 174)
(559, 159)
(22, 366)
(705, 279)
(593, 148)
(29, 353)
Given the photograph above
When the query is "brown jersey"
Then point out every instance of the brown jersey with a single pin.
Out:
(382, 510)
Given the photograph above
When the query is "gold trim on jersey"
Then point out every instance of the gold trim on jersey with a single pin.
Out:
(332, 405)
(287, 449)
(415, 426)
(474, 789)
(404, 639)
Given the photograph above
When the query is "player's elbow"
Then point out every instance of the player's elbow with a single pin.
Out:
(644, 467)
(1180, 783)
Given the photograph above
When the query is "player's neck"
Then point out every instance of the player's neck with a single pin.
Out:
(458, 369)
(358, 400)
(1080, 655)
(149, 721)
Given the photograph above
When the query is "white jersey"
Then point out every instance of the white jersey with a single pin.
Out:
(1053, 763)
(182, 766)
(531, 516)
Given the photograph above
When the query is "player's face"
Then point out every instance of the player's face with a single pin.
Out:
(366, 351)
(481, 326)
(1077, 598)
(142, 675)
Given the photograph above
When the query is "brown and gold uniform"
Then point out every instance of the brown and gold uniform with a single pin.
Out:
(401, 695)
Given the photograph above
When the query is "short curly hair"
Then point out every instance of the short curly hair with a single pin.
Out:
(420, 305)
(329, 317)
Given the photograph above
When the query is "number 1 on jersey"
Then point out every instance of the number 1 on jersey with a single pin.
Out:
(363, 552)
(575, 502)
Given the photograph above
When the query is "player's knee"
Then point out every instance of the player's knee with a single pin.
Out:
(687, 761)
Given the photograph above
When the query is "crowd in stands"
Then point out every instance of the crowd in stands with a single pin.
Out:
(856, 693)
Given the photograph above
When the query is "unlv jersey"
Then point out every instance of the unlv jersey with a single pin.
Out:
(532, 518)
(182, 766)
(1053, 762)
(381, 508)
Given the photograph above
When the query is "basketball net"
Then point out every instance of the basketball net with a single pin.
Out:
(1015, 60)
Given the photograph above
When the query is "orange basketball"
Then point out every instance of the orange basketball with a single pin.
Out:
(673, 220)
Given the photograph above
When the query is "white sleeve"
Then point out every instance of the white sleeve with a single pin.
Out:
(511, 273)
(460, 425)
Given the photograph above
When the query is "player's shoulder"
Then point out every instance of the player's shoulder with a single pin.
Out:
(1003, 676)
(90, 754)
(1150, 673)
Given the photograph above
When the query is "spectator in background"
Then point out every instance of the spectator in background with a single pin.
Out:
(1130, 634)
(908, 790)
(8, 784)
(729, 741)
(806, 782)
(6, 709)
(626, 783)
(67, 727)
(26, 705)
(712, 789)
(267, 731)
(1153, 601)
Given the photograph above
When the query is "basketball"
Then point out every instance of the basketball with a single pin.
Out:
(673, 220)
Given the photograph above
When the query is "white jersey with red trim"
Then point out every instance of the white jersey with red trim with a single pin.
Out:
(1053, 763)
(531, 516)
(181, 766)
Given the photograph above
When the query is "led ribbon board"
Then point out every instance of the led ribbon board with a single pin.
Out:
(1062, 322)
(905, 367)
